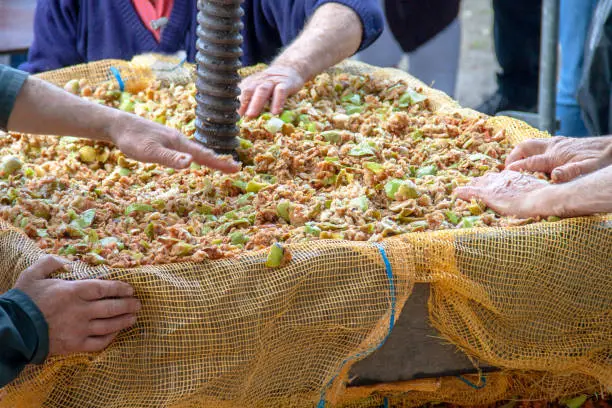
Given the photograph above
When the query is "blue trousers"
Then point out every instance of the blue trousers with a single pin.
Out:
(575, 18)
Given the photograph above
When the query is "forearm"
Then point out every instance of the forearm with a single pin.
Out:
(41, 108)
(333, 34)
(588, 195)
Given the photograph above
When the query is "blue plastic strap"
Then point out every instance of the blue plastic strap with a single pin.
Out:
(389, 272)
(117, 76)
(483, 381)
(386, 402)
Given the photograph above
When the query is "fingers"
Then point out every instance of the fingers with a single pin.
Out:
(94, 289)
(262, 94)
(44, 267)
(206, 157)
(526, 149)
(275, 83)
(281, 92)
(488, 197)
(570, 171)
(97, 343)
(475, 189)
(246, 94)
(480, 188)
(468, 192)
(104, 327)
(112, 308)
(77, 310)
(542, 163)
(176, 151)
(172, 158)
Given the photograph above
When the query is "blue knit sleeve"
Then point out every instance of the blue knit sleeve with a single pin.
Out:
(24, 335)
(55, 36)
(11, 81)
(370, 13)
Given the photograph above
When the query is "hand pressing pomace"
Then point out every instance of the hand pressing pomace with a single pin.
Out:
(508, 193)
(149, 142)
(563, 158)
(276, 83)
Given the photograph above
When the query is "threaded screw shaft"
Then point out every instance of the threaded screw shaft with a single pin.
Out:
(218, 60)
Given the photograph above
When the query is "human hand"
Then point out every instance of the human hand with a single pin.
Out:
(511, 193)
(150, 142)
(563, 158)
(83, 316)
(276, 82)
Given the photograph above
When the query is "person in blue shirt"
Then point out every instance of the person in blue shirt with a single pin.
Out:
(41, 316)
(316, 33)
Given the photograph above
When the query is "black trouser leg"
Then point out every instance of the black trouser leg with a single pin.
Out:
(517, 46)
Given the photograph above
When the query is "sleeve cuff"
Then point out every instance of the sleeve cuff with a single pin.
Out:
(371, 15)
(11, 82)
(38, 320)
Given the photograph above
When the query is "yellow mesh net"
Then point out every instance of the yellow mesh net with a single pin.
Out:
(534, 301)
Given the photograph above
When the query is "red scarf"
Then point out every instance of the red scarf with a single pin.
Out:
(150, 10)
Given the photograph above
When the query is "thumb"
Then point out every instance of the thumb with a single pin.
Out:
(570, 171)
(44, 267)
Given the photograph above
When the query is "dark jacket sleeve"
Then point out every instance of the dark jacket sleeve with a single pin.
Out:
(11, 81)
(24, 335)
(55, 36)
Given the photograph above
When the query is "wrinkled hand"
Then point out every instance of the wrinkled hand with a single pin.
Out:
(276, 82)
(150, 142)
(563, 158)
(509, 193)
(83, 316)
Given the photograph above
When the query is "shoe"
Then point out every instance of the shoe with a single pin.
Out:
(499, 101)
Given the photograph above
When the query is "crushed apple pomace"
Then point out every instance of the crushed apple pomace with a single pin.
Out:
(352, 157)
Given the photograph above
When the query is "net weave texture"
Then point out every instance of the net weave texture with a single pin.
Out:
(535, 301)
